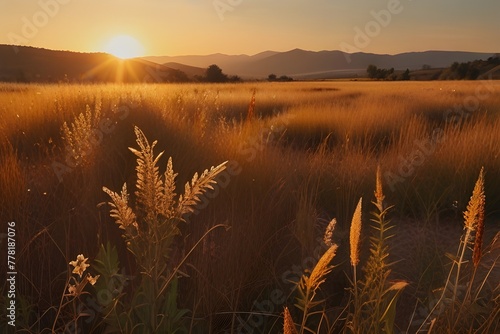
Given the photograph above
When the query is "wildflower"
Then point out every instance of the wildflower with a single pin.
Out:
(91, 279)
(79, 264)
(72, 289)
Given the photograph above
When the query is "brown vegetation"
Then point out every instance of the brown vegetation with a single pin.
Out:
(307, 154)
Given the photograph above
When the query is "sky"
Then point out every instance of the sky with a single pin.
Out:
(185, 27)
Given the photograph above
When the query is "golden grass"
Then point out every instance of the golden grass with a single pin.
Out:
(309, 153)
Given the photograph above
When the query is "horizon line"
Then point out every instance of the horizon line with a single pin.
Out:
(251, 55)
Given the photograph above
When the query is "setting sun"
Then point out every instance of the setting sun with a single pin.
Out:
(124, 47)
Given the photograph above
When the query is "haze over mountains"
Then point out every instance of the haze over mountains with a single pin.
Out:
(28, 64)
(319, 64)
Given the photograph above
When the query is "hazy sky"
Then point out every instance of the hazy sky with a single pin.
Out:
(179, 27)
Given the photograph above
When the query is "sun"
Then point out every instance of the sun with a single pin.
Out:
(124, 47)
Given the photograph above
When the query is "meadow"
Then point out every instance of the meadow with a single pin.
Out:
(297, 155)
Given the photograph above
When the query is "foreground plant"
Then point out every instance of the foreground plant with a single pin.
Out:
(288, 325)
(309, 285)
(75, 289)
(464, 304)
(150, 230)
(374, 297)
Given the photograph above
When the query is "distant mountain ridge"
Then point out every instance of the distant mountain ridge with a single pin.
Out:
(300, 63)
(29, 64)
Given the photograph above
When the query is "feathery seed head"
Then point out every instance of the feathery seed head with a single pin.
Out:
(288, 325)
(476, 204)
(379, 194)
(355, 233)
(322, 268)
(328, 237)
(478, 241)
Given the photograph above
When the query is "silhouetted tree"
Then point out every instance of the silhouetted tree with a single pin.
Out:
(495, 60)
(379, 73)
(214, 74)
(372, 71)
(272, 77)
(406, 75)
(285, 78)
(234, 78)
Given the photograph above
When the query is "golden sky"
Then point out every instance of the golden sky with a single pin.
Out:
(181, 27)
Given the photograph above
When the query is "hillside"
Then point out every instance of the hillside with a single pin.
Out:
(31, 64)
(191, 71)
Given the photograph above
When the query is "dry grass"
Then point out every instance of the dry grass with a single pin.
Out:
(309, 153)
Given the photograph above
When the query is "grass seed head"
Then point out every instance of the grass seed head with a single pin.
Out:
(288, 325)
(476, 204)
(355, 233)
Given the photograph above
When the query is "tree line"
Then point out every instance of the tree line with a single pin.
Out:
(471, 70)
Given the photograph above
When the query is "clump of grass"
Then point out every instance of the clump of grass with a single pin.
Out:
(150, 231)
(80, 136)
(463, 302)
(13, 181)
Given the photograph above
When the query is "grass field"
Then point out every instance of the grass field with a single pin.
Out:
(298, 155)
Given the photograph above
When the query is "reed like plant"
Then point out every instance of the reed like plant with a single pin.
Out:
(149, 231)
(374, 296)
(308, 287)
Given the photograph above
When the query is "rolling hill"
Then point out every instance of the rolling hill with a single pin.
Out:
(29, 64)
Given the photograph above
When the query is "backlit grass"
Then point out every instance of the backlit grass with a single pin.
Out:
(308, 154)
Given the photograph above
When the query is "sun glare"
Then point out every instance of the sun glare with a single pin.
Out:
(124, 47)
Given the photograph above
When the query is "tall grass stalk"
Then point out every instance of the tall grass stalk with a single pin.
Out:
(375, 298)
(354, 240)
(308, 286)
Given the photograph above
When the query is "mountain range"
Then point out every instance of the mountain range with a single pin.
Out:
(29, 64)
(302, 64)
